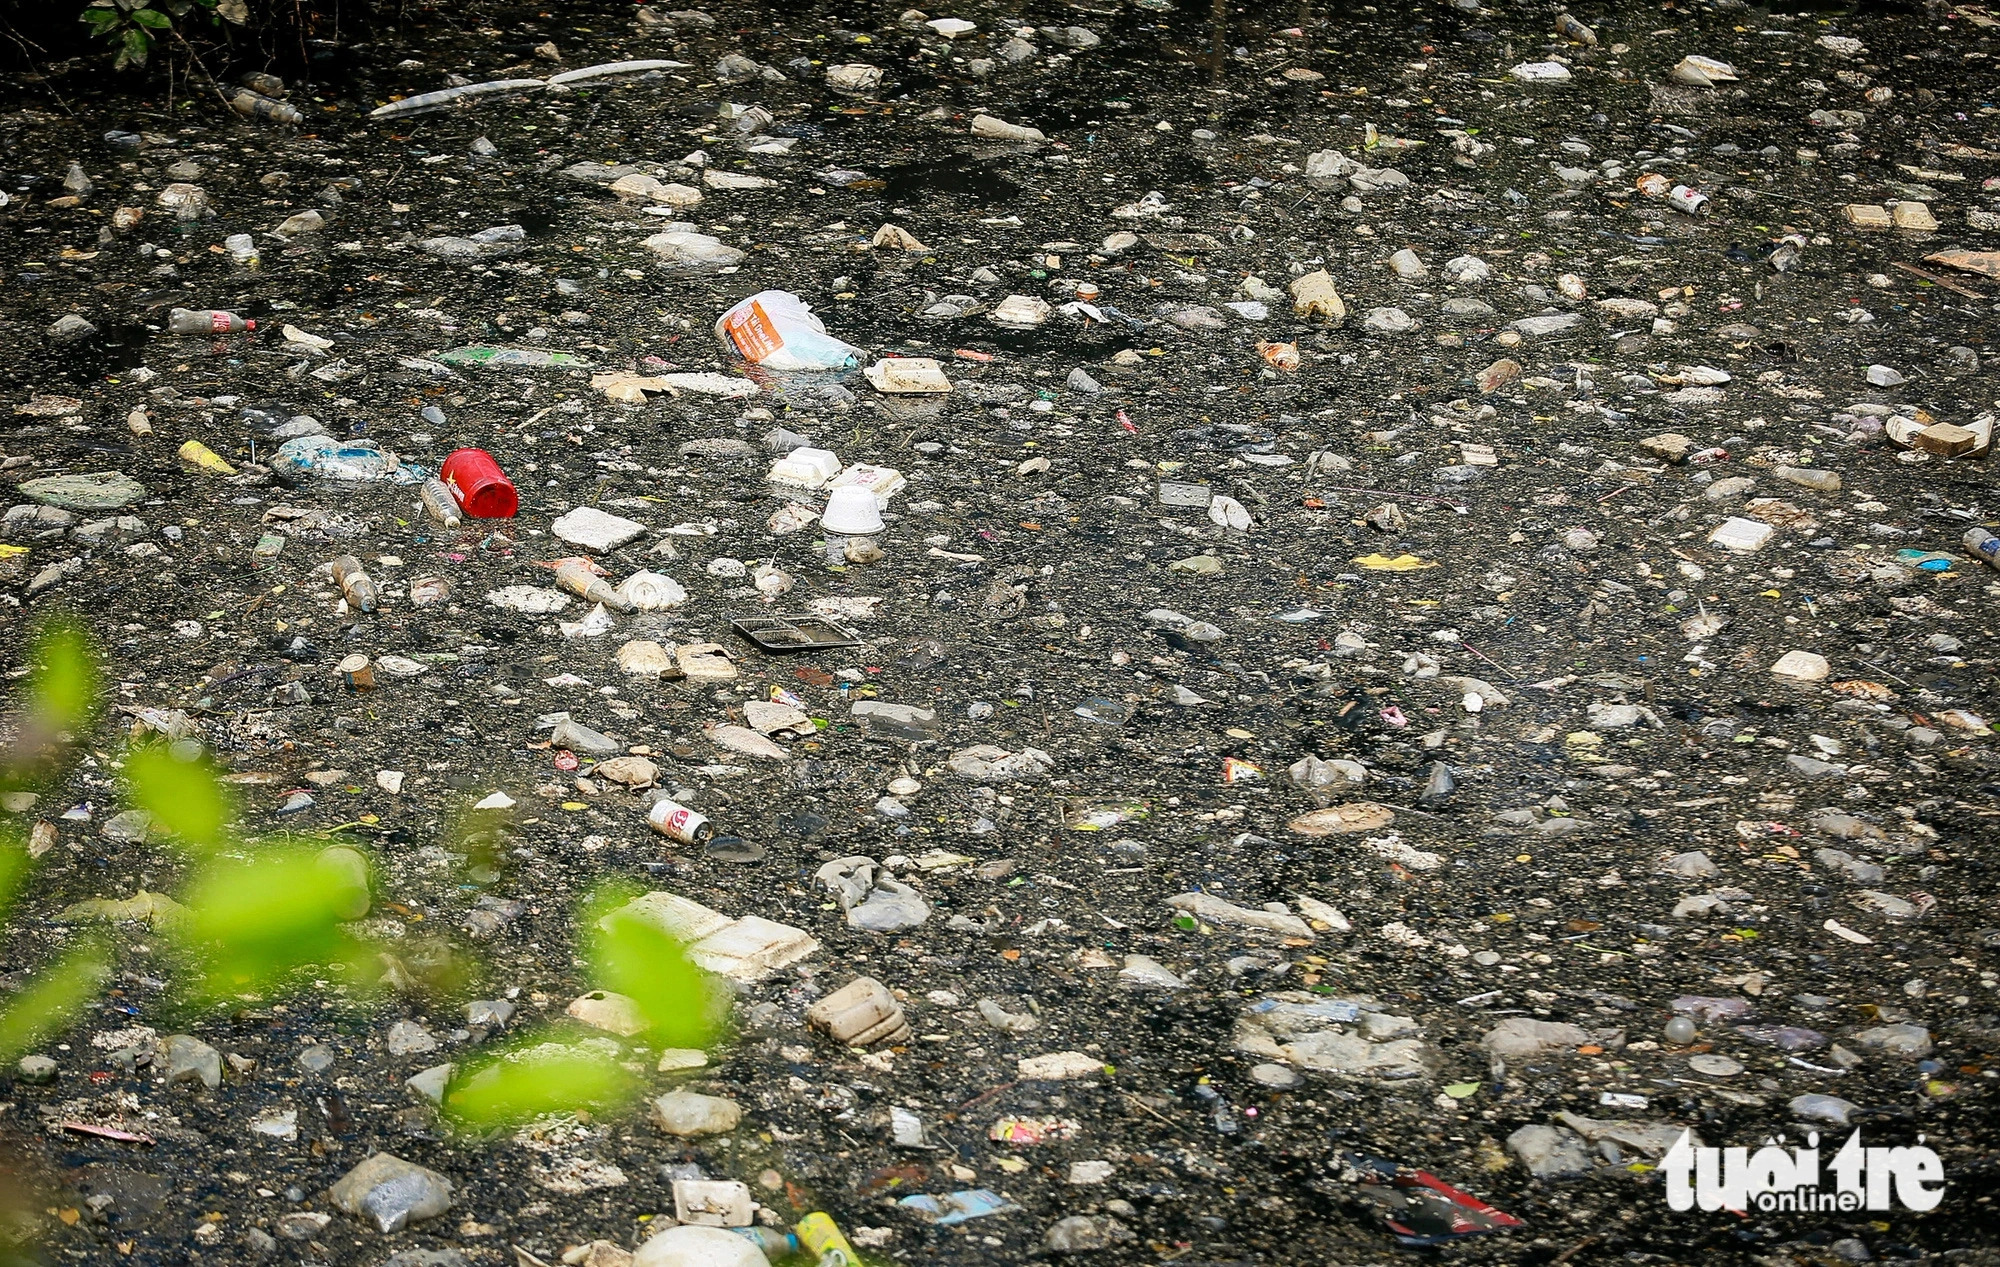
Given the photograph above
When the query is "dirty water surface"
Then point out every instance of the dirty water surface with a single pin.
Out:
(1479, 726)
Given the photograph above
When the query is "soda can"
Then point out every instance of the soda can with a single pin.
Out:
(357, 673)
(677, 822)
(1692, 201)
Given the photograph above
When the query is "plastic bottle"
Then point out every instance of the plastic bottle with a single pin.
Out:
(263, 81)
(243, 249)
(207, 321)
(354, 583)
(1809, 477)
(197, 454)
(992, 129)
(438, 503)
(1575, 31)
(579, 580)
(255, 105)
(1984, 545)
(824, 1241)
(774, 1243)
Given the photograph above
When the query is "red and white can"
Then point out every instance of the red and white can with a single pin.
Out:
(677, 822)
(1685, 199)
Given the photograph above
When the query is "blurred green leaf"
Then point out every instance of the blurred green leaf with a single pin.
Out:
(253, 921)
(153, 18)
(52, 998)
(481, 837)
(60, 696)
(537, 1075)
(429, 969)
(633, 957)
(184, 797)
(14, 867)
(62, 693)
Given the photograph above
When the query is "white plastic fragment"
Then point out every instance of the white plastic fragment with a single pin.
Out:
(443, 97)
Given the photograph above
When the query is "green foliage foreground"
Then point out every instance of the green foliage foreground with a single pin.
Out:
(133, 27)
(256, 918)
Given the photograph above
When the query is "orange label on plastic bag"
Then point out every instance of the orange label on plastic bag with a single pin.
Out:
(750, 329)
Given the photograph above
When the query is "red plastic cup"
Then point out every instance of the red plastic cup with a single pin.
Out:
(481, 487)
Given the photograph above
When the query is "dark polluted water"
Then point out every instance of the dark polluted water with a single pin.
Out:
(1411, 665)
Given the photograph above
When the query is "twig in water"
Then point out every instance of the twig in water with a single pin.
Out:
(1149, 1108)
(1884, 672)
(1489, 659)
(1928, 276)
(1460, 507)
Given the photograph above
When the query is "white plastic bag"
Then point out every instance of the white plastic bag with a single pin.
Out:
(775, 329)
(684, 249)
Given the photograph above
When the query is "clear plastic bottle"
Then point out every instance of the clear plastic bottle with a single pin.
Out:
(774, 1243)
(1984, 545)
(255, 105)
(579, 580)
(207, 321)
(243, 249)
(1809, 477)
(1575, 31)
(354, 583)
(439, 504)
